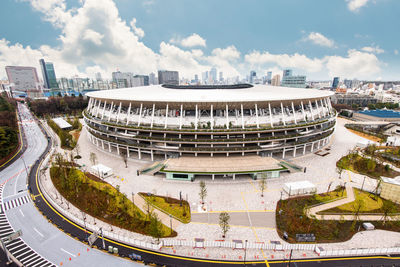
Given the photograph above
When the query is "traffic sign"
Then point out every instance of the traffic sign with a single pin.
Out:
(13, 236)
(92, 238)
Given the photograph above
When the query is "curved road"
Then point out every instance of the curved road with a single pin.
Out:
(61, 249)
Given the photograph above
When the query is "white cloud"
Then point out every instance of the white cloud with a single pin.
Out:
(55, 11)
(190, 41)
(396, 52)
(355, 5)
(138, 31)
(319, 39)
(285, 61)
(357, 64)
(371, 49)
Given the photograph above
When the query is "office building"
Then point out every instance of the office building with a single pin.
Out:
(122, 79)
(49, 74)
(98, 76)
(23, 78)
(335, 82)
(140, 80)
(168, 77)
(213, 75)
(287, 72)
(221, 77)
(276, 80)
(153, 79)
(253, 75)
(294, 81)
(269, 77)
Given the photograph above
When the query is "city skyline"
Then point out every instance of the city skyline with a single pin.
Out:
(88, 37)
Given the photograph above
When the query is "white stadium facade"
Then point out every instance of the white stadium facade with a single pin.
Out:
(172, 121)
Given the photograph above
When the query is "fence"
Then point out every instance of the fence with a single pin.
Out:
(359, 251)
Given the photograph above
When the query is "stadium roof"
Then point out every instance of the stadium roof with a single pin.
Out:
(256, 93)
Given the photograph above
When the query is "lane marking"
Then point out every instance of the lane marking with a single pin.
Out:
(39, 233)
(69, 253)
(16, 182)
(233, 211)
(21, 213)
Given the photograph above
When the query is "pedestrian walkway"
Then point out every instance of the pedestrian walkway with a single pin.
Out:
(16, 202)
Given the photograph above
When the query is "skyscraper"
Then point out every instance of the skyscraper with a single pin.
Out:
(213, 75)
(335, 82)
(152, 78)
(22, 78)
(287, 72)
(276, 80)
(168, 77)
(221, 76)
(269, 77)
(49, 74)
(98, 76)
(253, 74)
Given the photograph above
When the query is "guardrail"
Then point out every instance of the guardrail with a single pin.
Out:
(356, 251)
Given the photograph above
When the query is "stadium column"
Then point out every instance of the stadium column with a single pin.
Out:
(294, 113)
(294, 151)
(270, 115)
(109, 147)
(195, 119)
(98, 109)
(127, 151)
(139, 153)
(312, 113)
(302, 110)
(212, 117)
(283, 153)
(89, 104)
(180, 118)
(241, 112)
(92, 109)
(257, 122)
(151, 155)
(304, 149)
(102, 144)
(329, 104)
(118, 148)
(119, 111)
(111, 108)
(140, 113)
(129, 113)
(319, 111)
(227, 117)
(312, 147)
(152, 115)
(104, 109)
(166, 117)
(283, 115)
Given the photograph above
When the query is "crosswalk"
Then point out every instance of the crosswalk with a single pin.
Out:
(15, 203)
(18, 248)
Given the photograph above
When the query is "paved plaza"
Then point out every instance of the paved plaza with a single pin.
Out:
(252, 216)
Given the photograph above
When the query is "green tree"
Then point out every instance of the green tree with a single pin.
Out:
(263, 185)
(224, 223)
(155, 226)
(203, 191)
(388, 207)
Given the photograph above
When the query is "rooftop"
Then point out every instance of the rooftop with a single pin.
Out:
(216, 94)
(62, 123)
(381, 113)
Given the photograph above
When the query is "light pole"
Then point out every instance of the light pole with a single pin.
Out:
(245, 247)
(133, 198)
(170, 221)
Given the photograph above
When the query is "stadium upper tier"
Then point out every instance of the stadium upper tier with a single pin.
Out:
(237, 119)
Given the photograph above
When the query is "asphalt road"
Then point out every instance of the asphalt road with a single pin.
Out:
(54, 245)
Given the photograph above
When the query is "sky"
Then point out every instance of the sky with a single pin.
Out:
(318, 38)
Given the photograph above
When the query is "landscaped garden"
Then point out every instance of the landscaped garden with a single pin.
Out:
(291, 218)
(68, 139)
(365, 202)
(366, 166)
(170, 206)
(8, 129)
(103, 201)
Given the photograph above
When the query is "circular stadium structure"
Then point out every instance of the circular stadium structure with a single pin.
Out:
(170, 121)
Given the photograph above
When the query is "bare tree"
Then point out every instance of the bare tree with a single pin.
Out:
(93, 158)
(77, 150)
(224, 223)
(203, 191)
(124, 158)
(263, 185)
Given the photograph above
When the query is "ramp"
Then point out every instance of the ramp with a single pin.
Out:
(152, 168)
(291, 166)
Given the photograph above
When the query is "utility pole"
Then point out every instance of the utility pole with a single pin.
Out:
(245, 247)
(362, 186)
(101, 231)
(290, 257)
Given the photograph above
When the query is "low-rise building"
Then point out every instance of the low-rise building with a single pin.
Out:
(390, 189)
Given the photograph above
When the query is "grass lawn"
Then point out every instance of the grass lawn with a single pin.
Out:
(170, 206)
(330, 196)
(369, 204)
(102, 201)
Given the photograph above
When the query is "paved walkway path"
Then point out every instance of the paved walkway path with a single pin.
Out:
(255, 219)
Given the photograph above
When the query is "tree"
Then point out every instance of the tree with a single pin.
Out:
(224, 223)
(263, 185)
(77, 151)
(203, 191)
(155, 227)
(388, 207)
(93, 158)
(124, 158)
(339, 169)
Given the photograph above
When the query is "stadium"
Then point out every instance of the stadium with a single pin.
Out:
(211, 129)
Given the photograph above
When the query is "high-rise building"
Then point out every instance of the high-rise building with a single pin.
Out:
(168, 77)
(196, 78)
(49, 74)
(348, 83)
(253, 74)
(204, 77)
(221, 77)
(213, 75)
(269, 77)
(287, 72)
(122, 79)
(276, 80)
(140, 80)
(335, 82)
(98, 76)
(153, 79)
(23, 78)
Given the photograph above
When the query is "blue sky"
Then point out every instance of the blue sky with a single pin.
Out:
(318, 38)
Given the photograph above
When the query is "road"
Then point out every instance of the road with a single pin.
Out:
(49, 245)
(42, 236)
(251, 219)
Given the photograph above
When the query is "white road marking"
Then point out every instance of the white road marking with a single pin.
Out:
(68, 252)
(21, 213)
(39, 233)
(16, 182)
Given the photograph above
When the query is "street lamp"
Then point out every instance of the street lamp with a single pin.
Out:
(170, 221)
(245, 247)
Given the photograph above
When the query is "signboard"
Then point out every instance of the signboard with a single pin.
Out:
(305, 237)
(92, 238)
(13, 236)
